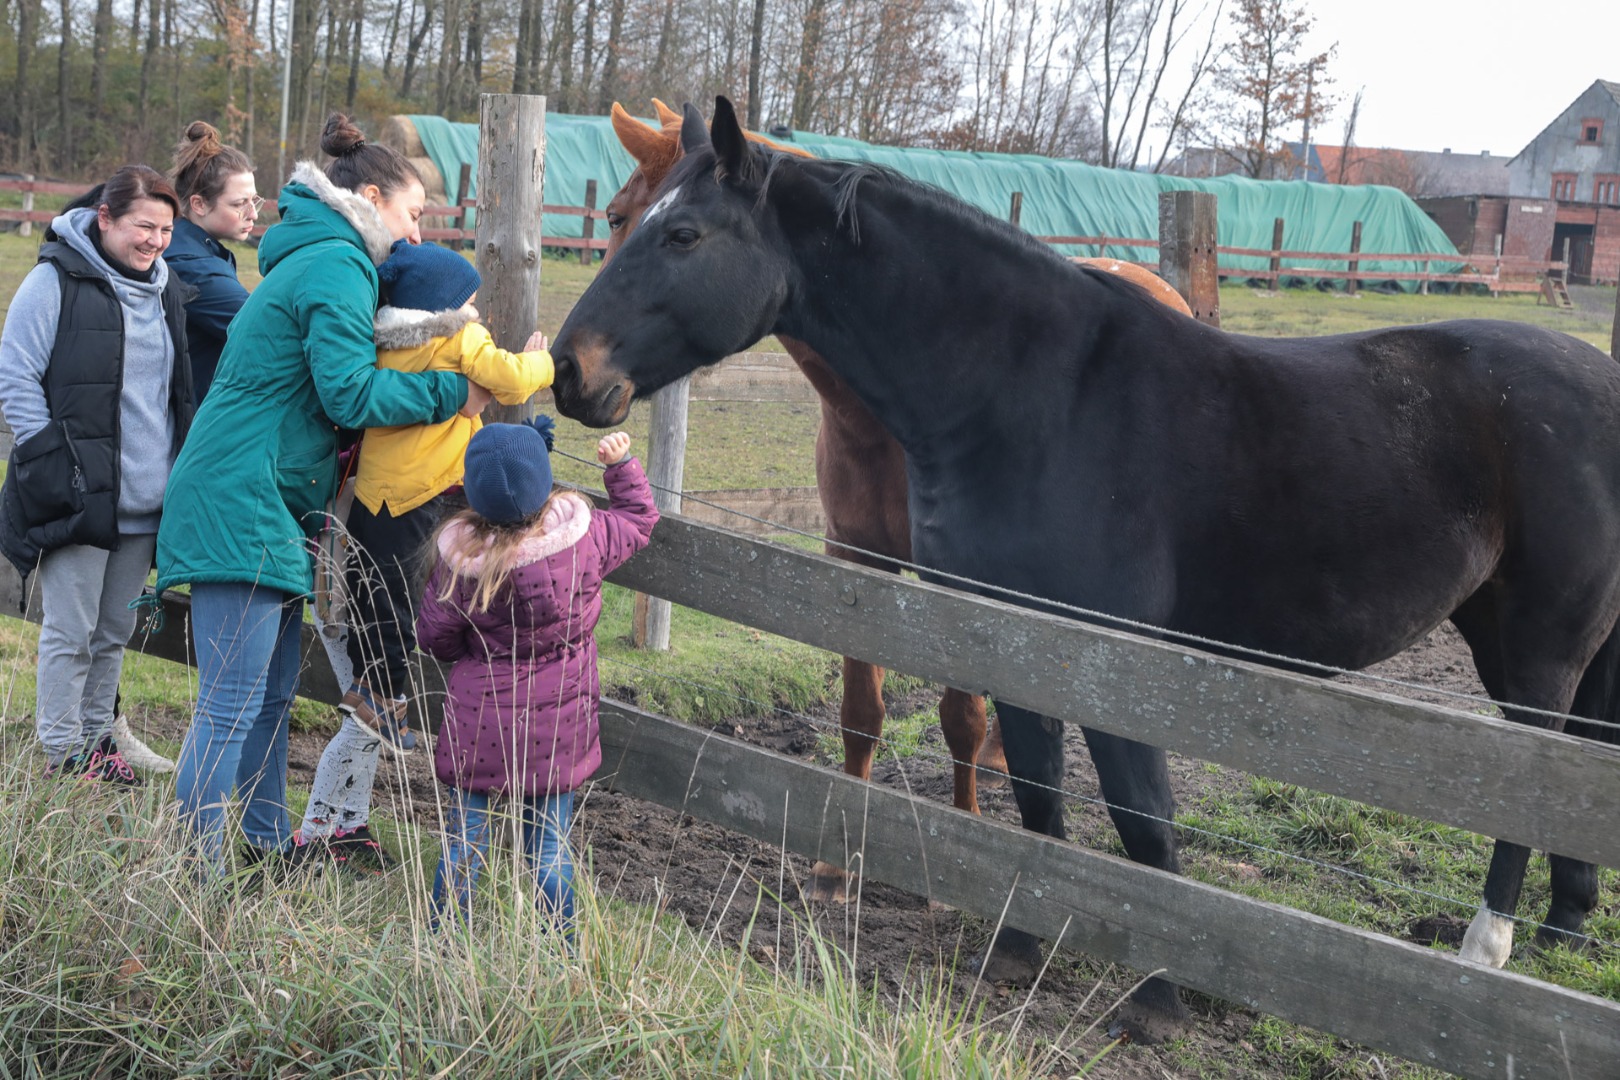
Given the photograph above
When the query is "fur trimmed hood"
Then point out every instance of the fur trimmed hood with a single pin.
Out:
(355, 208)
(565, 523)
(410, 328)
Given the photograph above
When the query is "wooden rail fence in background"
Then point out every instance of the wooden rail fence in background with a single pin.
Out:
(1423, 1004)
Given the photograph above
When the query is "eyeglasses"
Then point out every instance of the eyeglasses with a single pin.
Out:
(255, 204)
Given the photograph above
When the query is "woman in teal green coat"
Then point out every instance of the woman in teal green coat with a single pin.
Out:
(249, 490)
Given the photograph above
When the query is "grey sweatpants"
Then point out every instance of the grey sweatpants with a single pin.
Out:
(340, 795)
(85, 594)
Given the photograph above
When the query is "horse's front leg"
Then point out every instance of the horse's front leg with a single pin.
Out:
(962, 720)
(860, 722)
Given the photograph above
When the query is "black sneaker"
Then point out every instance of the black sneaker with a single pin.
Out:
(301, 860)
(358, 850)
(107, 766)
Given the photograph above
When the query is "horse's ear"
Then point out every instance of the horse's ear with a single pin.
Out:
(694, 135)
(730, 145)
(667, 116)
(643, 141)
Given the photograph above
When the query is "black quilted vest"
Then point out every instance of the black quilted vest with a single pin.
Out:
(61, 487)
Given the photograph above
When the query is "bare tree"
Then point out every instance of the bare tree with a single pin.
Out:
(1269, 82)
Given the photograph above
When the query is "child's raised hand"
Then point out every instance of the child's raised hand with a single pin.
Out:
(613, 448)
(537, 343)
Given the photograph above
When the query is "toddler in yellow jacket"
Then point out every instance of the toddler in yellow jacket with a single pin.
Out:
(406, 482)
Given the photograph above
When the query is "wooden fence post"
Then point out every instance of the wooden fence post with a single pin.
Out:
(511, 181)
(1614, 335)
(1187, 251)
(27, 227)
(666, 469)
(463, 187)
(1350, 283)
(1276, 253)
(587, 226)
(1017, 210)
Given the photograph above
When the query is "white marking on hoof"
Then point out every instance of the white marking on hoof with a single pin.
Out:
(1489, 940)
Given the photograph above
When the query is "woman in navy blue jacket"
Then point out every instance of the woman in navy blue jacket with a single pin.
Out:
(218, 202)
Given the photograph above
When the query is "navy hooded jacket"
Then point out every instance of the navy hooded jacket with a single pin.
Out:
(208, 267)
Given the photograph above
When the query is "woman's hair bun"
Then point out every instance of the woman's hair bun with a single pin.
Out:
(201, 131)
(340, 136)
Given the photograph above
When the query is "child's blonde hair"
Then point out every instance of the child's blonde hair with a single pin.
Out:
(496, 544)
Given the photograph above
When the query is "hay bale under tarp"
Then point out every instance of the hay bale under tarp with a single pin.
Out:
(400, 133)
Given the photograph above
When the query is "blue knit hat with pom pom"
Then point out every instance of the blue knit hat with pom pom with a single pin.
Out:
(427, 277)
(508, 470)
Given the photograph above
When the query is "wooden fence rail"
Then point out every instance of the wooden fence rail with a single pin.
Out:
(1422, 1004)
(1498, 273)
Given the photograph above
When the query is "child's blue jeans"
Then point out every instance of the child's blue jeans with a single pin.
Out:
(543, 823)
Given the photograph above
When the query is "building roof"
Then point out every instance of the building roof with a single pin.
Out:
(1416, 172)
(1611, 88)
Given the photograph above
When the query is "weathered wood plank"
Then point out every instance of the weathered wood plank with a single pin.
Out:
(1424, 1005)
(1550, 791)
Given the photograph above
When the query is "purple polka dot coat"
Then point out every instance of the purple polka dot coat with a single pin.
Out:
(521, 716)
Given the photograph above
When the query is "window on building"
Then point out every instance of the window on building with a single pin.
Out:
(1563, 186)
(1592, 130)
(1606, 188)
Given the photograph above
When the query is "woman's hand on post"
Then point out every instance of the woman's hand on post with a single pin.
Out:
(613, 448)
(477, 399)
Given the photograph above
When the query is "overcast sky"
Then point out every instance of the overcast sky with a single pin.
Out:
(1472, 76)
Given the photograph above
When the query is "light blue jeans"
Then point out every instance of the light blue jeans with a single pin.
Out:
(543, 822)
(247, 673)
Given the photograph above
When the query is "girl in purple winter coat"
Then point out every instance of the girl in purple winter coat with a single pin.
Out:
(512, 604)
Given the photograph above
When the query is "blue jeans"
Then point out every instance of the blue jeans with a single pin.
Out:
(543, 821)
(247, 673)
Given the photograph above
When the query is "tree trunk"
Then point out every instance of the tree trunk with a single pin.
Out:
(756, 39)
(804, 80)
(608, 88)
(413, 50)
(662, 76)
(393, 37)
(520, 52)
(27, 29)
(147, 60)
(64, 109)
(247, 78)
(134, 24)
(100, 42)
(356, 43)
(172, 40)
(588, 60)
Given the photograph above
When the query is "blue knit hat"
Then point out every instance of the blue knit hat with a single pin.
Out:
(427, 277)
(508, 472)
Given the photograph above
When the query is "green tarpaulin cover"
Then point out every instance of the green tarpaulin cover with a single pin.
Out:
(1060, 198)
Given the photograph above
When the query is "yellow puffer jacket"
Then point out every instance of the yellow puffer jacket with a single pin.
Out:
(404, 467)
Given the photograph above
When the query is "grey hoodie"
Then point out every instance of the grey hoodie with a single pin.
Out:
(146, 449)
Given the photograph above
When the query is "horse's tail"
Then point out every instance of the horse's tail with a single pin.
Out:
(1598, 696)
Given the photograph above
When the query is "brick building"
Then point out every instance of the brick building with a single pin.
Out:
(1575, 163)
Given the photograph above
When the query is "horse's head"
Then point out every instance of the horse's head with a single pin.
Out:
(702, 276)
(656, 150)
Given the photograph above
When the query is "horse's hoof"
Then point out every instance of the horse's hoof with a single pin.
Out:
(1489, 940)
(1154, 1014)
(1007, 965)
(1551, 937)
(828, 884)
(991, 777)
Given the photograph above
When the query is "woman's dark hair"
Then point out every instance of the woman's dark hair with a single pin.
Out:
(356, 162)
(202, 164)
(124, 187)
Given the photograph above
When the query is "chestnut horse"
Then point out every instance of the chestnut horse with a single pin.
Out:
(1329, 499)
(861, 477)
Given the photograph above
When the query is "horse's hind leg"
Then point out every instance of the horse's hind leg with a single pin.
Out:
(962, 719)
(860, 722)
(1524, 667)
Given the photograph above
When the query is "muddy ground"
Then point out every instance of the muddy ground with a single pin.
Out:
(711, 878)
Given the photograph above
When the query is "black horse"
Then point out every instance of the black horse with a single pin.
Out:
(1330, 499)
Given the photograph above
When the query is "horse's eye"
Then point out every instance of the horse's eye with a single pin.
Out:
(615, 220)
(682, 237)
